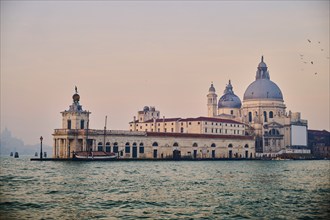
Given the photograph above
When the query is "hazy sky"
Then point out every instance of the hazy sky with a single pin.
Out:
(125, 55)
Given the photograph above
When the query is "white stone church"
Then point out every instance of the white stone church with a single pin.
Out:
(259, 127)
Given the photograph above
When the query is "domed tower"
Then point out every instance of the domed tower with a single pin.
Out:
(212, 102)
(73, 136)
(263, 99)
(229, 103)
(263, 109)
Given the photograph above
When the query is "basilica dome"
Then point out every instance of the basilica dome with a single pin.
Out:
(263, 87)
(229, 99)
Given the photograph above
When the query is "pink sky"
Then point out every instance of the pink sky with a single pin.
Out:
(125, 55)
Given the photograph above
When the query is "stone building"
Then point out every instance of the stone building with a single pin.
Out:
(152, 137)
(263, 112)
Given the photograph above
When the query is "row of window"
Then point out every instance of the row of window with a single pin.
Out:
(270, 115)
(82, 124)
(155, 144)
(220, 124)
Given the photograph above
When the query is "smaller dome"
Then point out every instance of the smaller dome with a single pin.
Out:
(146, 108)
(229, 99)
(212, 89)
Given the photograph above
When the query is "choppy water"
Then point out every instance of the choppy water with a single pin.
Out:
(164, 190)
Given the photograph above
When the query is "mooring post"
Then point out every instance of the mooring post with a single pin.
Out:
(41, 147)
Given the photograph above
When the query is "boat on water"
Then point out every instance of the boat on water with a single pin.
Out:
(94, 155)
(16, 155)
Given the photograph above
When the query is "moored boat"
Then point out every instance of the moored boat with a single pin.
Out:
(94, 155)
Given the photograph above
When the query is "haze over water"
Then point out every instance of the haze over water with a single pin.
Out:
(163, 190)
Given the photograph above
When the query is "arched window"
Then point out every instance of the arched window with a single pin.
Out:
(231, 112)
(246, 146)
(141, 149)
(115, 147)
(128, 147)
(265, 116)
(100, 146)
(195, 145)
(271, 114)
(250, 116)
(175, 144)
(181, 130)
(213, 145)
(107, 147)
(155, 144)
(230, 145)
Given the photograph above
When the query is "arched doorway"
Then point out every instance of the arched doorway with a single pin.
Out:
(176, 152)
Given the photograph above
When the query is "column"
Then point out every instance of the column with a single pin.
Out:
(54, 149)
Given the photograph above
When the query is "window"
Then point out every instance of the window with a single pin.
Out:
(216, 130)
(195, 145)
(189, 123)
(155, 144)
(213, 145)
(107, 147)
(172, 130)
(234, 131)
(212, 123)
(199, 123)
(175, 144)
(69, 124)
(158, 130)
(82, 124)
(165, 130)
(205, 130)
(230, 145)
(246, 146)
(181, 130)
(141, 148)
(128, 148)
(271, 114)
(231, 112)
(226, 131)
(206, 123)
(172, 124)
(140, 127)
(212, 130)
(250, 116)
(146, 124)
(115, 147)
(265, 116)
(100, 146)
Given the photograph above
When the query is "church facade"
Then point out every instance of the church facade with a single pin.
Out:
(263, 111)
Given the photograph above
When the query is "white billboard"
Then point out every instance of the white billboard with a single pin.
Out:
(298, 135)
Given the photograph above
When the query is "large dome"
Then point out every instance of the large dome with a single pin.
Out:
(263, 87)
(229, 99)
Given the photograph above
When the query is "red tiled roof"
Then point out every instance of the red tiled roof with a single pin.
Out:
(212, 120)
(190, 135)
(220, 120)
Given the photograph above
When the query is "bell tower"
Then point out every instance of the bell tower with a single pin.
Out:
(212, 102)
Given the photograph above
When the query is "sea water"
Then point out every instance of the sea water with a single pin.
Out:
(164, 189)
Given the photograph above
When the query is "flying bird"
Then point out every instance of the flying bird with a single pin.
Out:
(309, 41)
(312, 62)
